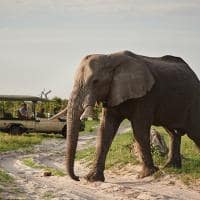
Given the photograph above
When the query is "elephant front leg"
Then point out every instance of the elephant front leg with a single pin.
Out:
(108, 128)
(174, 155)
(142, 137)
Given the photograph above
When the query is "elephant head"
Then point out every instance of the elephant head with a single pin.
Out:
(111, 79)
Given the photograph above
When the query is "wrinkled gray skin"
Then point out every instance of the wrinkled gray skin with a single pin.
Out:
(147, 91)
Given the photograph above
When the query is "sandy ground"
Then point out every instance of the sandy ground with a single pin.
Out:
(123, 184)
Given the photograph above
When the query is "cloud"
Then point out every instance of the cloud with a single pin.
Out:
(81, 13)
(62, 7)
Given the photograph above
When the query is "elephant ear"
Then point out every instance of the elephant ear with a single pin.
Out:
(131, 79)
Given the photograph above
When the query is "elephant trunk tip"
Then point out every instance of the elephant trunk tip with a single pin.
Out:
(71, 174)
(74, 177)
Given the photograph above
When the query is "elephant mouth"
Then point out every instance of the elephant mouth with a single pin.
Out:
(88, 113)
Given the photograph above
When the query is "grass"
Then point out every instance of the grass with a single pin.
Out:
(5, 178)
(190, 161)
(17, 143)
(91, 125)
(20, 143)
(120, 154)
(45, 135)
(23, 142)
(10, 143)
(7, 183)
(190, 170)
(87, 154)
(48, 195)
(31, 163)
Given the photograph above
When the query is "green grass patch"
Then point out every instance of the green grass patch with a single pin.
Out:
(121, 154)
(87, 154)
(190, 162)
(23, 142)
(5, 177)
(91, 125)
(31, 163)
(44, 135)
(190, 170)
(48, 195)
(7, 184)
(9, 142)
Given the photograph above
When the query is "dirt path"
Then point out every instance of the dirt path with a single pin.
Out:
(123, 185)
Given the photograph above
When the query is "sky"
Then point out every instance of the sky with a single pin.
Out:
(43, 41)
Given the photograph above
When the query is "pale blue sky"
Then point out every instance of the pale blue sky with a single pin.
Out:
(43, 41)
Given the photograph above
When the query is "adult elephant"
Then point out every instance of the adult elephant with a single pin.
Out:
(147, 91)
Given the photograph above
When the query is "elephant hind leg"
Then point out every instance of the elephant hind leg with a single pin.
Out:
(142, 137)
(174, 155)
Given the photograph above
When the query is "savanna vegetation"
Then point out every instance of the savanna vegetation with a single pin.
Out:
(121, 153)
(52, 106)
(31, 163)
(6, 181)
(23, 143)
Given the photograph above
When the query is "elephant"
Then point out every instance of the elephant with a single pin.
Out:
(174, 155)
(160, 91)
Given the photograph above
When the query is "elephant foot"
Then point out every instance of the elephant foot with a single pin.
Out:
(175, 163)
(147, 171)
(95, 176)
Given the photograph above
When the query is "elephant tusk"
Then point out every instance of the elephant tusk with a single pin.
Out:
(88, 113)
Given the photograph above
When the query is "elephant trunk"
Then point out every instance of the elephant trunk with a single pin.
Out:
(78, 108)
(73, 125)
